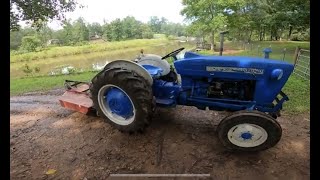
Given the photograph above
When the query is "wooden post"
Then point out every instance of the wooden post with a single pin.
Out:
(221, 44)
(296, 55)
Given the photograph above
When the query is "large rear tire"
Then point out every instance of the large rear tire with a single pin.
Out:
(123, 98)
(249, 131)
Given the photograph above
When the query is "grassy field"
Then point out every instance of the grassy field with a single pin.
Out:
(297, 89)
(43, 83)
(59, 51)
(255, 49)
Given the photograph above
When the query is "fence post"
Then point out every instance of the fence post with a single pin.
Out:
(296, 54)
(284, 53)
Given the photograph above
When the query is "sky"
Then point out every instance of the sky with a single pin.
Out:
(142, 10)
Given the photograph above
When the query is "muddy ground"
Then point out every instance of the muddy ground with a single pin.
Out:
(183, 140)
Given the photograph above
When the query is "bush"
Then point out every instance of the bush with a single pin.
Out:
(30, 43)
(171, 37)
(301, 36)
(26, 69)
(37, 69)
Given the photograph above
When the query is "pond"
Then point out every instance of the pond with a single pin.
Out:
(89, 61)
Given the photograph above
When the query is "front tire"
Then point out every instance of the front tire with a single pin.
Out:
(249, 131)
(123, 99)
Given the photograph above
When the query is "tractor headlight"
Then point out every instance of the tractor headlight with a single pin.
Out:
(277, 74)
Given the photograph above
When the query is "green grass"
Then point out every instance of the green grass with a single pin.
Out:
(53, 52)
(29, 84)
(256, 49)
(298, 91)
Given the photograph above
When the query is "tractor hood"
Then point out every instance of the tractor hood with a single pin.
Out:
(235, 67)
(270, 75)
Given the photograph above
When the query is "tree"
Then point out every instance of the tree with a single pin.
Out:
(30, 43)
(59, 34)
(116, 30)
(95, 29)
(106, 28)
(44, 34)
(36, 11)
(175, 29)
(80, 31)
(155, 24)
(131, 28)
(272, 17)
(16, 36)
(66, 35)
(209, 15)
(146, 31)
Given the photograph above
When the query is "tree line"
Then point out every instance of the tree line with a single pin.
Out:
(79, 31)
(245, 20)
(249, 20)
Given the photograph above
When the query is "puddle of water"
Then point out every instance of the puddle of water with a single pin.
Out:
(99, 66)
(91, 61)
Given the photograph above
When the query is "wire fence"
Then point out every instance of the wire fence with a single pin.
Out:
(302, 64)
(256, 49)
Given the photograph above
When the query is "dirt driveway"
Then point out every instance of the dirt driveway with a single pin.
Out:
(183, 140)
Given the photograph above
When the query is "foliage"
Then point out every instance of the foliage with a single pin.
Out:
(37, 69)
(30, 43)
(95, 29)
(26, 69)
(79, 32)
(38, 11)
(249, 19)
(146, 31)
(207, 16)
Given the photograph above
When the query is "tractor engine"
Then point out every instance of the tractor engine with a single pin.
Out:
(239, 90)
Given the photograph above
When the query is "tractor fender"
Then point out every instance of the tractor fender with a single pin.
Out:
(155, 60)
(132, 66)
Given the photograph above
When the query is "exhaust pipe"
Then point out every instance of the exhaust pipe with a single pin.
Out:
(221, 41)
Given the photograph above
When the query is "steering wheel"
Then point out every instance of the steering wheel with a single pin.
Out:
(173, 54)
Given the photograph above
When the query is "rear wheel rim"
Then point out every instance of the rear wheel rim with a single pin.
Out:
(116, 104)
(247, 135)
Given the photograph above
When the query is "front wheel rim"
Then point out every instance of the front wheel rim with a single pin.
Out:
(116, 104)
(247, 135)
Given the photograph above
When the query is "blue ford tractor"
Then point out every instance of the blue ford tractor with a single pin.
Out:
(126, 93)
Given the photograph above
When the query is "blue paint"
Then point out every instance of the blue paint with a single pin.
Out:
(166, 91)
(246, 135)
(266, 52)
(276, 74)
(119, 102)
(199, 71)
(153, 70)
(193, 67)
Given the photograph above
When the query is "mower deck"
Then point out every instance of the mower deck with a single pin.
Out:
(76, 98)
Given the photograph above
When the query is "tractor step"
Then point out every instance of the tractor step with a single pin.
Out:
(77, 99)
(165, 102)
